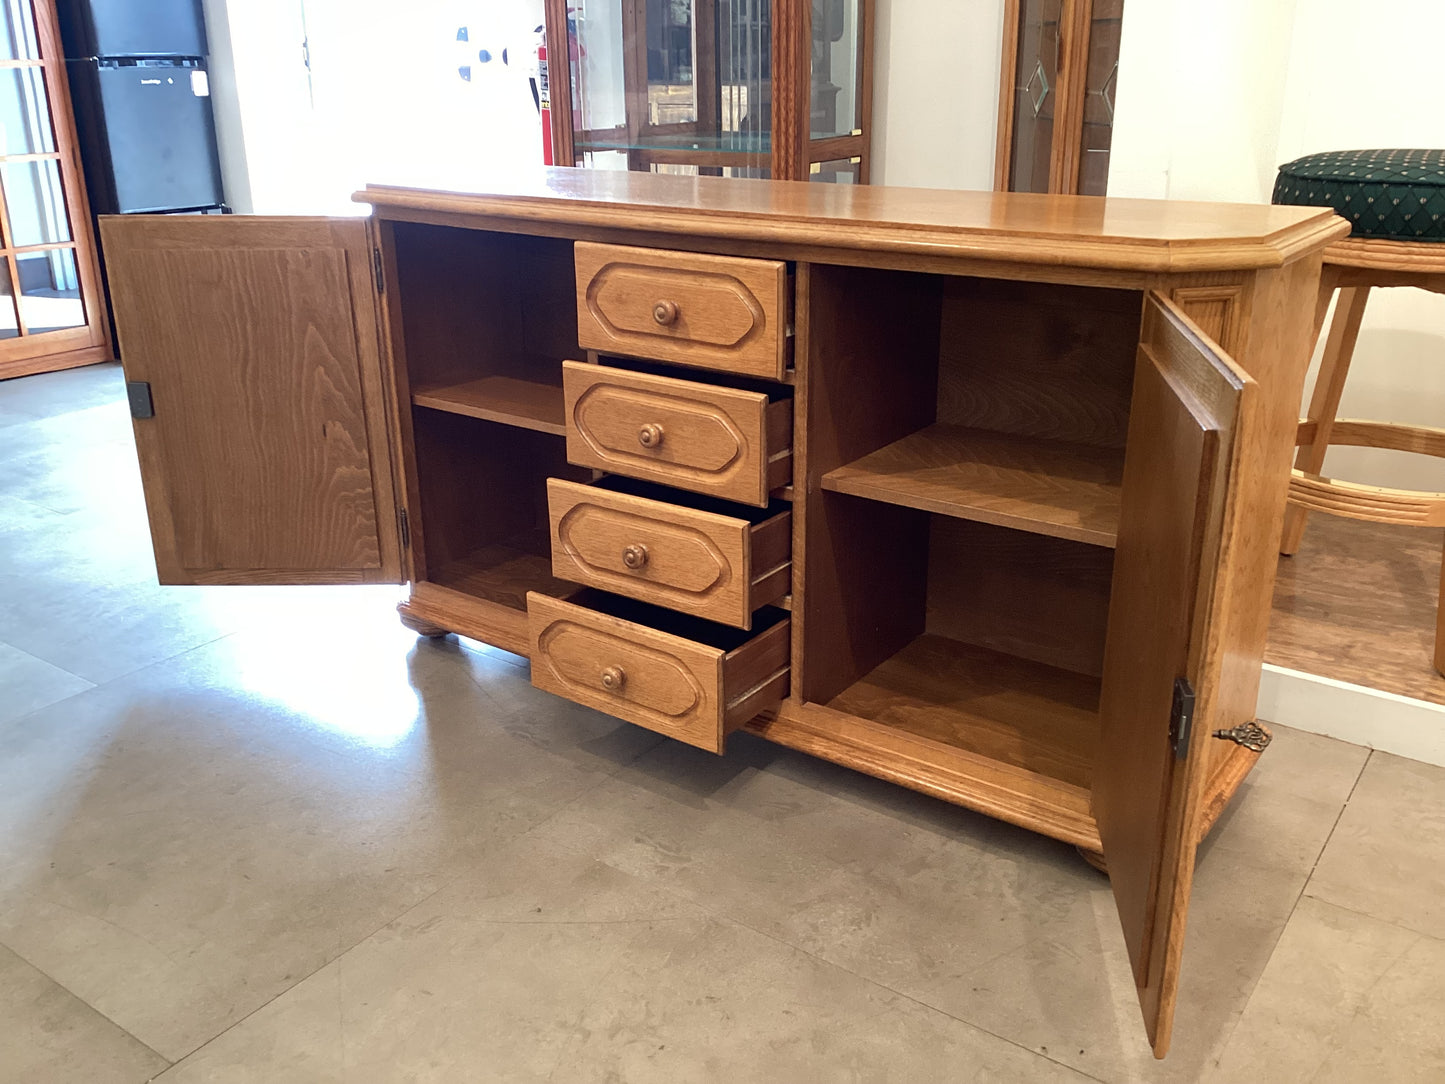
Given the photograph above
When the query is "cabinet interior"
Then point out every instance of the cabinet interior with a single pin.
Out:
(486, 320)
(967, 442)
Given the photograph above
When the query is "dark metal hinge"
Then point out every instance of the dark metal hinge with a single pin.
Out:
(138, 393)
(405, 528)
(1250, 735)
(1181, 717)
(377, 271)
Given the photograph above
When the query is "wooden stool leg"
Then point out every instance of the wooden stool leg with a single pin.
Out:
(1440, 625)
(1325, 400)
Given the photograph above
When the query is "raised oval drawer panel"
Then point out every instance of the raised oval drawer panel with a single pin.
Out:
(716, 312)
(641, 540)
(688, 679)
(724, 442)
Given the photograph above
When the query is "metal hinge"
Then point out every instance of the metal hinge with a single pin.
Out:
(1181, 717)
(1250, 735)
(377, 271)
(138, 394)
(405, 528)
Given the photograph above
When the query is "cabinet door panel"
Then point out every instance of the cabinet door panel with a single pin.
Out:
(268, 458)
(1186, 404)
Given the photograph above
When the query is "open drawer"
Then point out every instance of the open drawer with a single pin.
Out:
(701, 556)
(688, 679)
(725, 442)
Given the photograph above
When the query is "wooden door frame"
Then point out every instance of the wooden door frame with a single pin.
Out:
(90, 342)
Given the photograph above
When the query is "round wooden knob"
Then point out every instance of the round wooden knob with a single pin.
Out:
(665, 312)
(634, 556)
(649, 436)
(613, 678)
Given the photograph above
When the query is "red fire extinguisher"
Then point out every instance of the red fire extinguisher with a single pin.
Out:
(544, 98)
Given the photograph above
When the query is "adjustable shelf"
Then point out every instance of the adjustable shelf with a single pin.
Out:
(1046, 487)
(527, 404)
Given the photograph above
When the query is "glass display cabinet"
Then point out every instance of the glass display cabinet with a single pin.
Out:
(736, 88)
(51, 311)
(1058, 83)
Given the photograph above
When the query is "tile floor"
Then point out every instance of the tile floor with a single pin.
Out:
(267, 835)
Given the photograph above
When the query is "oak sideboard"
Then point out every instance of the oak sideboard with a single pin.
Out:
(975, 492)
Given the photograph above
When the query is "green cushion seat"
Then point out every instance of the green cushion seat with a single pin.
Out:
(1398, 194)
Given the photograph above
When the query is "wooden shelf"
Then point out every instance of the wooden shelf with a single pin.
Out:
(1035, 717)
(505, 572)
(1047, 487)
(528, 404)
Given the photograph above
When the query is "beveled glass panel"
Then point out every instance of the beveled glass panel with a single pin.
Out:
(50, 291)
(36, 202)
(1100, 94)
(24, 112)
(839, 171)
(1036, 79)
(836, 68)
(9, 324)
(17, 35)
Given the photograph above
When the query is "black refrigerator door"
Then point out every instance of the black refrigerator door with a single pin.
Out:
(147, 137)
(132, 28)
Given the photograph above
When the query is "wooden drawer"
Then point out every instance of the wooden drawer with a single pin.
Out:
(693, 554)
(689, 679)
(716, 312)
(724, 442)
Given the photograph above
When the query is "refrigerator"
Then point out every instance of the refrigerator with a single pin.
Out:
(140, 90)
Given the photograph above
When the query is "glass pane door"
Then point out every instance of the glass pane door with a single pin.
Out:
(37, 246)
(1036, 78)
(679, 86)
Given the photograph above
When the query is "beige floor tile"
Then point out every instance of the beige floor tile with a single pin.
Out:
(48, 1036)
(187, 842)
(988, 923)
(549, 966)
(1387, 856)
(28, 683)
(1346, 998)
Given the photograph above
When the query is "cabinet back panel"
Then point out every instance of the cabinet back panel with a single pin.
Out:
(1040, 598)
(477, 304)
(1038, 360)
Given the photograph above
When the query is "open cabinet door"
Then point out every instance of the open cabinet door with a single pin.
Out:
(252, 353)
(1186, 404)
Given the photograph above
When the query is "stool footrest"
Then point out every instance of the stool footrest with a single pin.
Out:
(1356, 433)
(1377, 504)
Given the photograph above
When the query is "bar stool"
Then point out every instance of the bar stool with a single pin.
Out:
(1396, 202)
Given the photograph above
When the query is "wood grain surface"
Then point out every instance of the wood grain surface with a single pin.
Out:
(1049, 487)
(721, 441)
(706, 563)
(715, 312)
(1162, 236)
(269, 456)
(528, 404)
(1018, 712)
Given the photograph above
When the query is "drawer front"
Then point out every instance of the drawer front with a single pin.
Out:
(713, 566)
(716, 312)
(675, 686)
(719, 441)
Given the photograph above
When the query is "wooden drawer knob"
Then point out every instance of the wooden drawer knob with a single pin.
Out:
(665, 313)
(635, 556)
(613, 678)
(649, 436)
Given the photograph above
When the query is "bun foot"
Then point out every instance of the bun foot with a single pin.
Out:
(1094, 858)
(419, 626)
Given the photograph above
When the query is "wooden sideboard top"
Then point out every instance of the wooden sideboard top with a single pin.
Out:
(1080, 231)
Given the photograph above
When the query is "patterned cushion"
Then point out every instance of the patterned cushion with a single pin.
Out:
(1399, 194)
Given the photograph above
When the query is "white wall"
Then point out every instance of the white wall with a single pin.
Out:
(1213, 97)
(935, 92)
